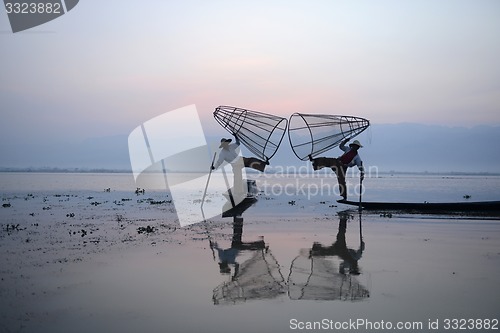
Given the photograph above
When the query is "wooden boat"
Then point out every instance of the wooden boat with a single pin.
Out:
(229, 211)
(446, 207)
(238, 203)
(250, 190)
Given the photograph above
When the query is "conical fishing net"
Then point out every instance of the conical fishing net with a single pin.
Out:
(259, 132)
(312, 134)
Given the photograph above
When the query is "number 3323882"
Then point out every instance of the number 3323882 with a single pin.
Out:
(33, 8)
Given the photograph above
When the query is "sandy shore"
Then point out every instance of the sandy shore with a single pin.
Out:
(115, 261)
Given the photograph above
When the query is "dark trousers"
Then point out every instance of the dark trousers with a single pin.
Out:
(254, 163)
(337, 167)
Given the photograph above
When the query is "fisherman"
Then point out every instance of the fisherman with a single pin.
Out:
(230, 155)
(350, 257)
(228, 256)
(340, 164)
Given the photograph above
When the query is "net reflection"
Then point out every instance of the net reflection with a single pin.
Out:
(328, 272)
(322, 272)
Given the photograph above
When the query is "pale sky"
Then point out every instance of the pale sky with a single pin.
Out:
(107, 66)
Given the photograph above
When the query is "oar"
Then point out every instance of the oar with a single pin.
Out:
(360, 228)
(208, 181)
(360, 188)
(203, 201)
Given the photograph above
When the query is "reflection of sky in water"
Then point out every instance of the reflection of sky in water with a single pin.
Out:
(415, 268)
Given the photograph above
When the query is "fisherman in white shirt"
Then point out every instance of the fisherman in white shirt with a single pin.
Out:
(229, 154)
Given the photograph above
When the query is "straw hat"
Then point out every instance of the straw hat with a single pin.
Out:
(222, 141)
(356, 142)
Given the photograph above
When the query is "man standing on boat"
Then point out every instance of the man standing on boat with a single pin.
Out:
(340, 164)
(230, 155)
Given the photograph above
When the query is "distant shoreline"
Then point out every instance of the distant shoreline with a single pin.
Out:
(122, 171)
(57, 170)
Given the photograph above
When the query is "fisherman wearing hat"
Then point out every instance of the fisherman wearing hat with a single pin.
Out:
(340, 164)
(227, 154)
(230, 155)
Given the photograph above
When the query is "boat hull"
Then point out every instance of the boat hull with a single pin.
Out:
(479, 206)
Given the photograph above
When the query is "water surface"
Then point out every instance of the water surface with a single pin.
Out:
(281, 264)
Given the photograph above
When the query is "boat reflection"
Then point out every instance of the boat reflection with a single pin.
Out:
(322, 272)
(328, 272)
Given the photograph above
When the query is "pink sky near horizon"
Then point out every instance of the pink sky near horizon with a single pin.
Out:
(105, 68)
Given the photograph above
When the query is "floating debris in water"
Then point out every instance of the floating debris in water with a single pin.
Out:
(152, 202)
(7, 205)
(12, 227)
(144, 200)
(467, 196)
(147, 230)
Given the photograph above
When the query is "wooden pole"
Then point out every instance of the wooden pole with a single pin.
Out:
(360, 188)
(208, 180)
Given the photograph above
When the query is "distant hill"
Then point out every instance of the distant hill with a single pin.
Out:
(399, 147)
(420, 148)
(94, 153)
(414, 147)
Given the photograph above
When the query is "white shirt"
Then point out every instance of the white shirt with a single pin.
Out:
(230, 155)
(355, 161)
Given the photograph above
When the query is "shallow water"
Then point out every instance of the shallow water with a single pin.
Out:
(411, 188)
(283, 266)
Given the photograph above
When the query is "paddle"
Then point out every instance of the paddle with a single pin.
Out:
(360, 188)
(208, 181)
(203, 201)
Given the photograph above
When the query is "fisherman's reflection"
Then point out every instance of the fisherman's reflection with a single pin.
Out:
(227, 257)
(349, 257)
(314, 275)
(257, 277)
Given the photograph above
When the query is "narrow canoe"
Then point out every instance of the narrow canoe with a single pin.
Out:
(478, 206)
